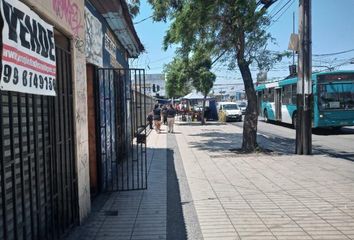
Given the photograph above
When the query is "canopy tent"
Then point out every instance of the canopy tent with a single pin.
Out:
(194, 95)
(193, 102)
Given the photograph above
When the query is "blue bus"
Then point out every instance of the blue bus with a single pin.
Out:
(333, 100)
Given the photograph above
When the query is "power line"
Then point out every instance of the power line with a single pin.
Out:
(284, 12)
(144, 19)
(281, 8)
(332, 54)
(275, 7)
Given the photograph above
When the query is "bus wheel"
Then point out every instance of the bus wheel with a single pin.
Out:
(294, 120)
(266, 119)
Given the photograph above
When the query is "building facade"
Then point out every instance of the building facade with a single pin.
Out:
(53, 90)
(110, 41)
(155, 85)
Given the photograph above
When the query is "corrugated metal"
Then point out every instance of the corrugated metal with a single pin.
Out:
(38, 183)
(118, 18)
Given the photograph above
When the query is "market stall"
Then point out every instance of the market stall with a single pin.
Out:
(191, 107)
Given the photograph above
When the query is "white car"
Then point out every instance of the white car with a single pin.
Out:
(231, 110)
(242, 106)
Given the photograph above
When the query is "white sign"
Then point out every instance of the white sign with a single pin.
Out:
(272, 85)
(28, 59)
(110, 45)
(94, 39)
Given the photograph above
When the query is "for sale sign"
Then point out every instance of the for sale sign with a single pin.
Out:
(28, 51)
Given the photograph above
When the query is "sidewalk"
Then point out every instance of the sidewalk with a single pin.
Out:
(265, 196)
(132, 214)
(198, 189)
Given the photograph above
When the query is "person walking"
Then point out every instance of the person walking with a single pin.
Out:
(171, 113)
(164, 114)
(157, 118)
(150, 119)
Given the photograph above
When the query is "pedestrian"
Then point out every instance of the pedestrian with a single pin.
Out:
(157, 118)
(164, 114)
(171, 113)
(150, 119)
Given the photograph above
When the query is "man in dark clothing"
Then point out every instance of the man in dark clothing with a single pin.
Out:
(164, 114)
(150, 119)
(171, 113)
(157, 118)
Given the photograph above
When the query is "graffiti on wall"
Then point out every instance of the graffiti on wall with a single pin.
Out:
(70, 12)
(94, 39)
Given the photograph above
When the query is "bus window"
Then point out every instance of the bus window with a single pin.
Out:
(286, 98)
(270, 95)
(293, 93)
(336, 96)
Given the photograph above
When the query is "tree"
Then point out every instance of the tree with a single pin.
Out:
(201, 76)
(184, 72)
(204, 84)
(177, 78)
(235, 31)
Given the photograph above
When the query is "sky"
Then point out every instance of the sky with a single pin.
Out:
(332, 32)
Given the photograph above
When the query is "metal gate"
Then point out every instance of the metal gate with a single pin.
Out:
(37, 166)
(121, 129)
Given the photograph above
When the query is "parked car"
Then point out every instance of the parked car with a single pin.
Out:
(243, 106)
(229, 111)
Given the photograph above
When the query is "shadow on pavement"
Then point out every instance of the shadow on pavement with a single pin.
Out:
(213, 123)
(176, 228)
(149, 207)
(215, 141)
(329, 131)
(319, 131)
(180, 206)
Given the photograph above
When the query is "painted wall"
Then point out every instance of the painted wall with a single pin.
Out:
(99, 34)
(68, 17)
(104, 50)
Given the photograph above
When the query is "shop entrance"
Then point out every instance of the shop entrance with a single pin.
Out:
(38, 184)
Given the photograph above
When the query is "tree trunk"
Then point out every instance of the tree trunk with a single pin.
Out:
(249, 140)
(203, 110)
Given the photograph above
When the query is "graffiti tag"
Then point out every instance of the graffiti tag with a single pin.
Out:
(69, 11)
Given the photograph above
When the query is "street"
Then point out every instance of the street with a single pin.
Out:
(281, 138)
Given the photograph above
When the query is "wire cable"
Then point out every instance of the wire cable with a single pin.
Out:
(142, 20)
(332, 54)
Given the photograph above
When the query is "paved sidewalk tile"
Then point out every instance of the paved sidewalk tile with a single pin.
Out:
(253, 196)
(141, 214)
(260, 196)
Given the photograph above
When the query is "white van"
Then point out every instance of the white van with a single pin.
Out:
(229, 111)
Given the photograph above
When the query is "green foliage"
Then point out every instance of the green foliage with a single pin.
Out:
(201, 76)
(234, 31)
(182, 73)
(205, 81)
(231, 27)
(177, 78)
(266, 59)
(133, 6)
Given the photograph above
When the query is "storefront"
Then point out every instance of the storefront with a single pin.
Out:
(43, 119)
(112, 115)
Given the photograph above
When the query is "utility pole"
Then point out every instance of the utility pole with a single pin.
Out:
(293, 33)
(304, 84)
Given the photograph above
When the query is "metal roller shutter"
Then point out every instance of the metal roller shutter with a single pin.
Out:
(38, 183)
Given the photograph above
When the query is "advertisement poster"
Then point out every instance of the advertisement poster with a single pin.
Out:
(94, 39)
(28, 54)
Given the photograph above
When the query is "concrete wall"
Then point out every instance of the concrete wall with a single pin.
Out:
(67, 16)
